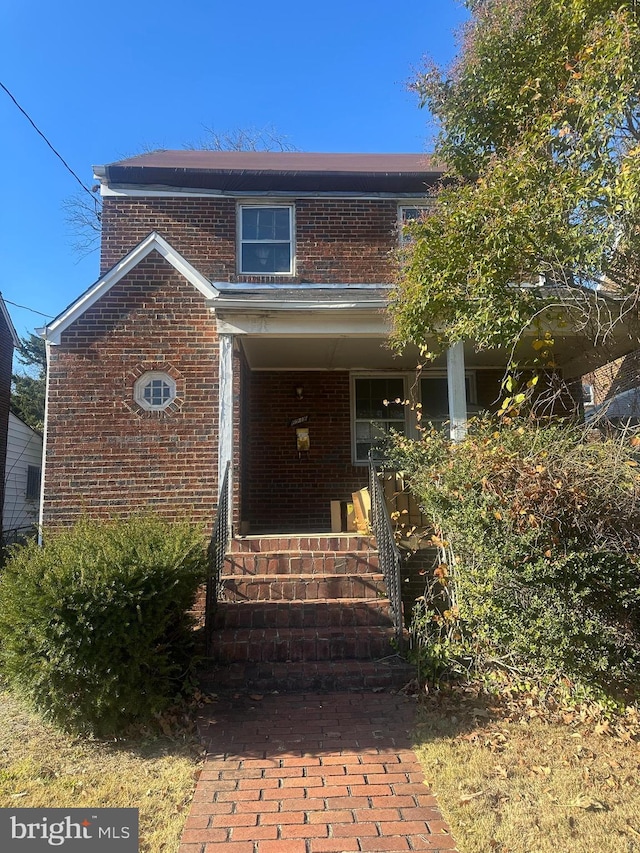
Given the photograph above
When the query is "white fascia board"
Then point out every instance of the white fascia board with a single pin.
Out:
(154, 241)
(141, 191)
(266, 304)
(320, 324)
(305, 285)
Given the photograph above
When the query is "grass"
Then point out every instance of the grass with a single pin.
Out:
(515, 779)
(43, 767)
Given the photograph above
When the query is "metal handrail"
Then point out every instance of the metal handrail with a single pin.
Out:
(216, 553)
(388, 551)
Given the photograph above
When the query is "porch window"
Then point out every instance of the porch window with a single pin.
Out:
(434, 395)
(266, 240)
(379, 409)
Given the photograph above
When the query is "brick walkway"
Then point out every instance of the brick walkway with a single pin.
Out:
(312, 773)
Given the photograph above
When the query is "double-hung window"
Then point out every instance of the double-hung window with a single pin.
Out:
(379, 410)
(379, 407)
(408, 214)
(266, 239)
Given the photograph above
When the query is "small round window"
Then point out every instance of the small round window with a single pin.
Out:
(154, 391)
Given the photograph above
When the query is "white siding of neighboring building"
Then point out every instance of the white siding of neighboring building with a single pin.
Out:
(24, 448)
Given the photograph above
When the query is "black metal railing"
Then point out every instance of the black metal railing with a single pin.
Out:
(388, 551)
(216, 554)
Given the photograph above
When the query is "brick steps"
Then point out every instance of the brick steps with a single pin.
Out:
(346, 542)
(302, 587)
(304, 612)
(296, 562)
(341, 675)
(258, 645)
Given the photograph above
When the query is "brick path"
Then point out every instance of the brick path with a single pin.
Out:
(312, 773)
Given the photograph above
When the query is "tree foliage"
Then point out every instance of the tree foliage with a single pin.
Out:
(28, 387)
(540, 133)
(538, 530)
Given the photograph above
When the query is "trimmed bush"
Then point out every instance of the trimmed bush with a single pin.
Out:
(94, 626)
(538, 528)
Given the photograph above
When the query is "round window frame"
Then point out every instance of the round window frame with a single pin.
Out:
(142, 382)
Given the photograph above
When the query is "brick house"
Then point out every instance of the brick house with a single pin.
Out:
(240, 316)
(240, 320)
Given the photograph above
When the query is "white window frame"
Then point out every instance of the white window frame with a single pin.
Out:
(588, 394)
(142, 382)
(412, 391)
(405, 239)
(240, 241)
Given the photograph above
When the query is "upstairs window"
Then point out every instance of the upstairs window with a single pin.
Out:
(407, 214)
(266, 240)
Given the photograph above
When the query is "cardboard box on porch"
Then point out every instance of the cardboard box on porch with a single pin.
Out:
(362, 509)
(343, 517)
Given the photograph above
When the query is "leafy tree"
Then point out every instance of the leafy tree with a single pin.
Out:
(28, 387)
(540, 132)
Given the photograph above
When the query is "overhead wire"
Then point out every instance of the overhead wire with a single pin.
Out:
(57, 153)
(26, 308)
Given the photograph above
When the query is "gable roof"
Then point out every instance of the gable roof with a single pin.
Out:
(275, 171)
(53, 331)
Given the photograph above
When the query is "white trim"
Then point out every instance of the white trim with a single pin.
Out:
(225, 407)
(457, 391)
(302, 285)
(154, 241)
(141, 191)
(139, 387)
(324, 324)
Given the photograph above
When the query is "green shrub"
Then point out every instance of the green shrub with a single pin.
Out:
(538, 528)
(93, 626)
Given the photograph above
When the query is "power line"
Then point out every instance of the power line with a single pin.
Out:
(25, 307)
(58, 155)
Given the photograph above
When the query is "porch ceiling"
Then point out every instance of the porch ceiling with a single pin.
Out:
(356, 338)
(345, 353)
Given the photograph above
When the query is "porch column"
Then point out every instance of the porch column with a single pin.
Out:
(457, 391)
(225, 408)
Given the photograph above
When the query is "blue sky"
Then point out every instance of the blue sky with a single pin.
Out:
(104, 80)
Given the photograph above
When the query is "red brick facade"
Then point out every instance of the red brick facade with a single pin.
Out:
(105, 456)
(283, 484)
(337, 241)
